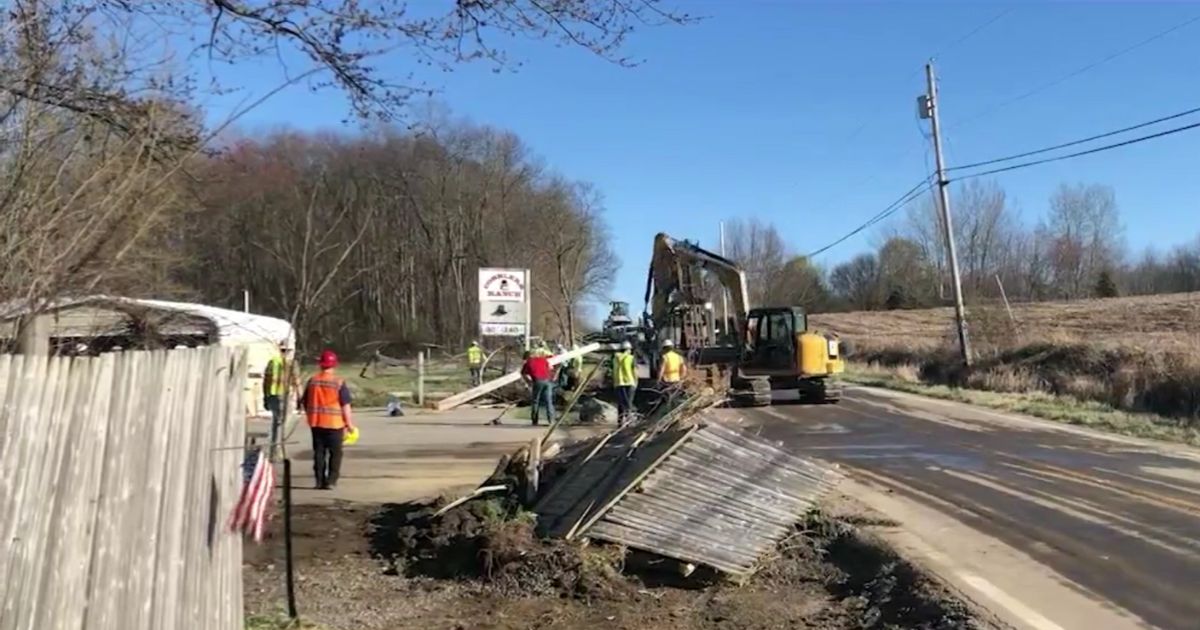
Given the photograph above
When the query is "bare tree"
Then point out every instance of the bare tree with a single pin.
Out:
(761, 252)
(574, 245)
(857, 281)
(1086, 236)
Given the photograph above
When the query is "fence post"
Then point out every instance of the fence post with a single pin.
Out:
(420, 378)
(287, 539)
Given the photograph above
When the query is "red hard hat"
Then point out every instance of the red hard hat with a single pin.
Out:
(328, 359)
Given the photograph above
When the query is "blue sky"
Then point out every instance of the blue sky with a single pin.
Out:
(803, 113)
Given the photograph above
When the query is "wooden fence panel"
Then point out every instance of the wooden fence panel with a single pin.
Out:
(116, 476)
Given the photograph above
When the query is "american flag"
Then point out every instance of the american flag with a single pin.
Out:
(250, 514)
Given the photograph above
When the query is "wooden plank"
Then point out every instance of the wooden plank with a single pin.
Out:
(670, 444)
(563, 483)
(108, 468)
(511, 377)
(570, 402)
(665, 524)
(629, 537)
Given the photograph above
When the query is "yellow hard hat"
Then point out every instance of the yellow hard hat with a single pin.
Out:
(350, 437)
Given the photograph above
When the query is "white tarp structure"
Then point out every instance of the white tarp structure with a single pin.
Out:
(98, 316)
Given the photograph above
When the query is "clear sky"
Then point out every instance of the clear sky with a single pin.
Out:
(804, 114)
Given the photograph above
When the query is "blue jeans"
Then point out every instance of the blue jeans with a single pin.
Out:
(543, 394)
(274, 404)
(625, 394)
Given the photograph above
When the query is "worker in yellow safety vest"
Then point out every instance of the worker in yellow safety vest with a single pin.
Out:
(475, 363)
(277, 371)
(624, 378)
(673, 369)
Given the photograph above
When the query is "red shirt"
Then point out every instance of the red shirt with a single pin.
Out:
(537, 368)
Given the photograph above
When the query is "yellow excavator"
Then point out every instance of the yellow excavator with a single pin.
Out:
(752, 351)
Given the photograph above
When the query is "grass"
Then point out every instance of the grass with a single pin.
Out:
(1138, 355)
(278, 621)
(373, 390)
(1066, 409)
(1153, 320)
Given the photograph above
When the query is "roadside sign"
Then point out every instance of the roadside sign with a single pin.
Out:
(503, 302)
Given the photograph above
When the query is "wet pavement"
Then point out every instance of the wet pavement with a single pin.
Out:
(1117, 519)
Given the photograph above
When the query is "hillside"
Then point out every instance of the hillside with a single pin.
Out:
(1155, 320)
(1134, 353)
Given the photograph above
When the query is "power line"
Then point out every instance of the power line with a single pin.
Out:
(917, 190)
(1074, 73)
(1076, 142)
(972, 32)
(1068, 156)
(870, 120)
(912, 193)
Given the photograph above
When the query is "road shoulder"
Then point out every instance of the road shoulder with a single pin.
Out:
(1012, 587)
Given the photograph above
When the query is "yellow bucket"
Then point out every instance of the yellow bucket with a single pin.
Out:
(350, 437)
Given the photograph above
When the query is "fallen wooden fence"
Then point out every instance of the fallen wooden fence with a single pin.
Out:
(116, 476)
(511, 377)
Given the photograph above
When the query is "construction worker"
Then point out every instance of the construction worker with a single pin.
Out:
(673, 368)
(537, 373)
(274, 375)
(475, 363)
(569, 372)
(326, 402)
(624, 377)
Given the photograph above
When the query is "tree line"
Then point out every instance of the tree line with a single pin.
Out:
(378, 237)
(113, 179)
(1076, 250)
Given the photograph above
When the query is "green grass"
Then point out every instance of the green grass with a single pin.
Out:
(374, 389)
(1063, 409)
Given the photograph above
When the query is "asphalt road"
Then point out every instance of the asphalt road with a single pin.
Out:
(1117, 520)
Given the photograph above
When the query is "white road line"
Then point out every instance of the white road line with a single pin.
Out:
(1026, 614)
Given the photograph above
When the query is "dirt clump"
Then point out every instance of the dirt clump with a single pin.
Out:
(491, 541)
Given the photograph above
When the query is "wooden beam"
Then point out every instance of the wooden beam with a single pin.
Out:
(511, 377)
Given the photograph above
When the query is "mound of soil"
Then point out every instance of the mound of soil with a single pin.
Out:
(395, 567)
(491, 541)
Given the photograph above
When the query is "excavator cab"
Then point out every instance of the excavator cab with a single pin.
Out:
(781, 347)
(772, 342)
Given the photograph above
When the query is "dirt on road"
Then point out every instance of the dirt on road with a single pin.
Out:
(392, 567)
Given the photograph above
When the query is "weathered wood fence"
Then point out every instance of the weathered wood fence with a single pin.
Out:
(115, 483)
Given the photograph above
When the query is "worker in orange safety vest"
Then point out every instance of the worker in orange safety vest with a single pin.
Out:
(326, 402)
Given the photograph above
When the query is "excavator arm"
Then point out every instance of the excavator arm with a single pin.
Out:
(675, 279)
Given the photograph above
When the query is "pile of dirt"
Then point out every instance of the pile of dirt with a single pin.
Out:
(875, 586)
(492, 541)
(394, 567)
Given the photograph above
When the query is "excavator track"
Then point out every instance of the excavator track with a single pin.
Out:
(751, 392)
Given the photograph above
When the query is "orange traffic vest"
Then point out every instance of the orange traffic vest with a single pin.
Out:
(322, 402)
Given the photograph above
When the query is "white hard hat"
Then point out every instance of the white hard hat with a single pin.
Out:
(667, 343)
(625, 345)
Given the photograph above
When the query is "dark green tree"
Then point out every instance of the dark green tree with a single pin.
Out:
(1106, 286)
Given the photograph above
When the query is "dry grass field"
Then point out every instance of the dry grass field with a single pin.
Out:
(1138, 354)
(1163, 321)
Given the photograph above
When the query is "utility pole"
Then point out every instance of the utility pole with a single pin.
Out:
(928, 108)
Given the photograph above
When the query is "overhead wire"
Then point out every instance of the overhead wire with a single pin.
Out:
(1068, 156)
(891, 209)
(927, 181)
(1072, 143)
(1082, 70)
(939, 51)
(863, 126)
